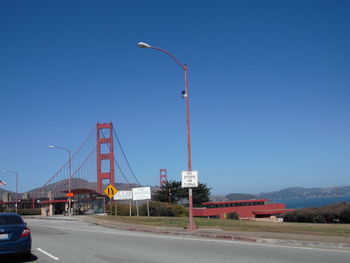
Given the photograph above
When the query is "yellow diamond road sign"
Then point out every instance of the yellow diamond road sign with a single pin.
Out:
(110, 191)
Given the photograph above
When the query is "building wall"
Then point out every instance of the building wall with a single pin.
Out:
(242, 211)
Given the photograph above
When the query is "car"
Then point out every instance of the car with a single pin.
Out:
(15, 236)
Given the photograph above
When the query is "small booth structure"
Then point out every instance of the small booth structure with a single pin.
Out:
(84, 202)
(8, 203)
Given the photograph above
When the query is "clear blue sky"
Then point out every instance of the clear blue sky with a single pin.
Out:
(269, 88)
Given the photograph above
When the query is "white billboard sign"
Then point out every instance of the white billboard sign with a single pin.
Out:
(189, 179)
(123, 195)
(141, 193)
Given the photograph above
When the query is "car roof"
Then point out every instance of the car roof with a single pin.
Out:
(9, 214)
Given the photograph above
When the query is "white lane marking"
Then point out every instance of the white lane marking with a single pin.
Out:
(123, 232)
(48, 254)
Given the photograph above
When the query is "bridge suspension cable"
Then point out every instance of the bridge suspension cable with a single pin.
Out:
(126, 159)
(83, 163)
(78, 160)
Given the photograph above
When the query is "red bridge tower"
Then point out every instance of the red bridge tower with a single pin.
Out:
(104, 139)
(163, 177)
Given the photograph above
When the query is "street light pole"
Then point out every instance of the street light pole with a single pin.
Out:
(69, 176)
(191, 226)
(15, 173)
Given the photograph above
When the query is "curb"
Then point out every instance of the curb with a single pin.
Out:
(295, 243)
(52, 218)
(225, 237)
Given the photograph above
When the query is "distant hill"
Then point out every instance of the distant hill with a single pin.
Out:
(304, 193)
(75, 184)
(217, 198)
(58, 186)
(239, 196)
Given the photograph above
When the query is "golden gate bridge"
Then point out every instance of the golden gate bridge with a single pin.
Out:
(97, 162)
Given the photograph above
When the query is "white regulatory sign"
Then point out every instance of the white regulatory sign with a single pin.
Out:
(189, 179)
(141, 193)
(123, 195)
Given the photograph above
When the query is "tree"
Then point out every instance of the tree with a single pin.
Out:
(200, 194)
(172, 192)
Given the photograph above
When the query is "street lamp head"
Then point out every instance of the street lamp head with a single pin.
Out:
(51, 146)
(143, 45)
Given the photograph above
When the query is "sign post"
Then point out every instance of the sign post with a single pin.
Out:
(147, 208)
(189, 179)
(110, 191)
(141, 193)
(123, 195)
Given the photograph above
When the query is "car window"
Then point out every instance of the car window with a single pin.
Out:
(10, 220)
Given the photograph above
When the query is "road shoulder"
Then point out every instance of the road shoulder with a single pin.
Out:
(302, 240)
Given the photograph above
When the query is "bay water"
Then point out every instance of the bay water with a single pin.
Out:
(312, 202)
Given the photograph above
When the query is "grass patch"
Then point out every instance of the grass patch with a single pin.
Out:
(234, 225)
(144, 220)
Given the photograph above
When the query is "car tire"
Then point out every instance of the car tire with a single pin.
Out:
(26, 256)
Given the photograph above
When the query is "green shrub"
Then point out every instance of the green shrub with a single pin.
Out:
(344, 216)
(232, 216)
(155, 208)
(163, 209)
(30, 211)
(122, 209)
(336, 213)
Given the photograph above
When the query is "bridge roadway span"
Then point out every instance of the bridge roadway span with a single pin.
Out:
(74, 241)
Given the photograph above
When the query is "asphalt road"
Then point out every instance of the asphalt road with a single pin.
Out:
(76, 241)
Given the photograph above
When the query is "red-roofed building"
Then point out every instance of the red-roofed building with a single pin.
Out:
(259, 208)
